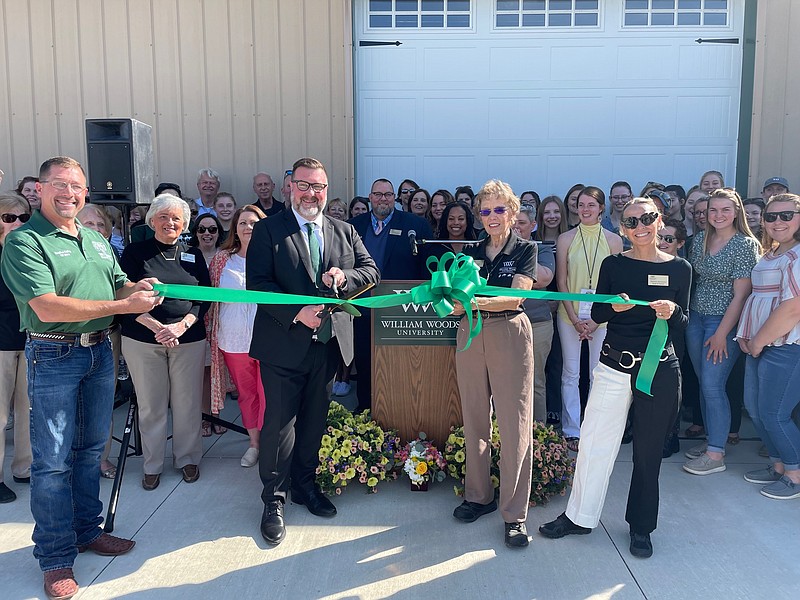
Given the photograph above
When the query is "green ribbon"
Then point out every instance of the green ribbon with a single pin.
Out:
(454, 277)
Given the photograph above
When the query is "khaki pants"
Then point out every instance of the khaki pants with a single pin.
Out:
(167, 378)
(498, 369)
(14, 393)
(542, 342)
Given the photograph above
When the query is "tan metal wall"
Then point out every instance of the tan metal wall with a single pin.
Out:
(775, 144)
(236, 85)
(249, 85)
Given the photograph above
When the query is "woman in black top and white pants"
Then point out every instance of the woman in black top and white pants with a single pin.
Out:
(643, 273)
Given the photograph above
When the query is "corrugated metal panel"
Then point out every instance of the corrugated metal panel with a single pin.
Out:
(236, 85)
(776, 116)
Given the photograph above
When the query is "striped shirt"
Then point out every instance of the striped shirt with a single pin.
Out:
(775, 279)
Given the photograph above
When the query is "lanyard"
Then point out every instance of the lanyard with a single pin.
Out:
(586, 255)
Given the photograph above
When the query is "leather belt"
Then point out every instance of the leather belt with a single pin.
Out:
(631, 358)
(485, 314)
(73, 339)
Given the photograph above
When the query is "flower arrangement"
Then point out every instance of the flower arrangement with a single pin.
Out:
(422, 461)
(354, 447)
(553, 467)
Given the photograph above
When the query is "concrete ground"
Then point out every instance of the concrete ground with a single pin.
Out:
(718, 538)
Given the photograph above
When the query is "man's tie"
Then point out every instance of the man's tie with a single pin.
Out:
(313, 248)
(378, 227)
(324, 333)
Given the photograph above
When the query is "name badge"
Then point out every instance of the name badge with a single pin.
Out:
(395, 232)
(187, 257)
(585, 308)
(658, 280)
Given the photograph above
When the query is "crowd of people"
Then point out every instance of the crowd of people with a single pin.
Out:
(722, 272)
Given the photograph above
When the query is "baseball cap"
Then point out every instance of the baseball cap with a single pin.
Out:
(776, 180)
(663, 197)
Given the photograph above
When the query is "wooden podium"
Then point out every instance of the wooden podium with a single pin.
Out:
(414, 385)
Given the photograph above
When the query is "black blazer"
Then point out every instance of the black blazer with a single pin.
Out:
(399, 263)
(278, 261)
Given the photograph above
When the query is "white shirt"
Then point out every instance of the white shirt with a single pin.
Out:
(317, 230)
(235, 318)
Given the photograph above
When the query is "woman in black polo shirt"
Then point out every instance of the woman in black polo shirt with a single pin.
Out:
(497, 370)
(165, 348)
(645, 273)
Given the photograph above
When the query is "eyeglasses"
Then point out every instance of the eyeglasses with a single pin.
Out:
(498, 210)
(303, 186)
(623, 197)
(210, 229)
(771, 217)
(63, 185)
(633, 222)
(11, 218)
(406, 190)
(670, 239)
(386, 195)
(699, 213)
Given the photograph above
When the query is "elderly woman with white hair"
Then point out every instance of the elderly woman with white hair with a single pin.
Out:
(165, 348)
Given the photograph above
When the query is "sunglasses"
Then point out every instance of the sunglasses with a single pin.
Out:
(209, 229)
(406, 191)
(670, 239)
(498, 210)
(769, 217)
(633, 222)
(9, 218)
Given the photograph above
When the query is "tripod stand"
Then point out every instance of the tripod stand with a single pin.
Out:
(126, 450)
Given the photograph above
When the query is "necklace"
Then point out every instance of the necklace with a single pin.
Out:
(174, 254)
(586, 254)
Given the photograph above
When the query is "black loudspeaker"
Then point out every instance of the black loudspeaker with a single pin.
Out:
(120, 161)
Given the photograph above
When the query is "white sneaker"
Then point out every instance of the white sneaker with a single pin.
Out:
(250, 458)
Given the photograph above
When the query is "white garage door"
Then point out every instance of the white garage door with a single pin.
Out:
(546, 93)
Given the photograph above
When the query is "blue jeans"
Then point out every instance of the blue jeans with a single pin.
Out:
(712, 377)
(771, 382)
(71, 390)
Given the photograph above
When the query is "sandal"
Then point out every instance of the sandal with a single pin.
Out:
(218, 429)
(572, 443)
(733, 439)
(109, 472)
(206, 429)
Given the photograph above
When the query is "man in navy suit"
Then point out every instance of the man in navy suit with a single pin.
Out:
(300, 251)
(385, 232)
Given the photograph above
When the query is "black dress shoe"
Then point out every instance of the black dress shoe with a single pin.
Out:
(671, 446)
(316, 503)
(6, 494)
(468, 512)
(516, 535)
(562, 526)
(22, 479)
(641, 546)
(273, 529)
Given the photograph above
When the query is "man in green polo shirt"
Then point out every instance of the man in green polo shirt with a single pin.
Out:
(68, 286)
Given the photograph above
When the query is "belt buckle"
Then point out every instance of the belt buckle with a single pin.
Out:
(84, 340)
(633, 359)
(665, 354)
(603, 349)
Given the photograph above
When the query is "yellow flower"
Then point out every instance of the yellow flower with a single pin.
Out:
(336, 455)
(350, 473)
(372, 481)
(422, 468)
(460, 456)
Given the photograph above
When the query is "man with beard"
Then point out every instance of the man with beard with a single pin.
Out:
(300, 251)
(385, 232)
